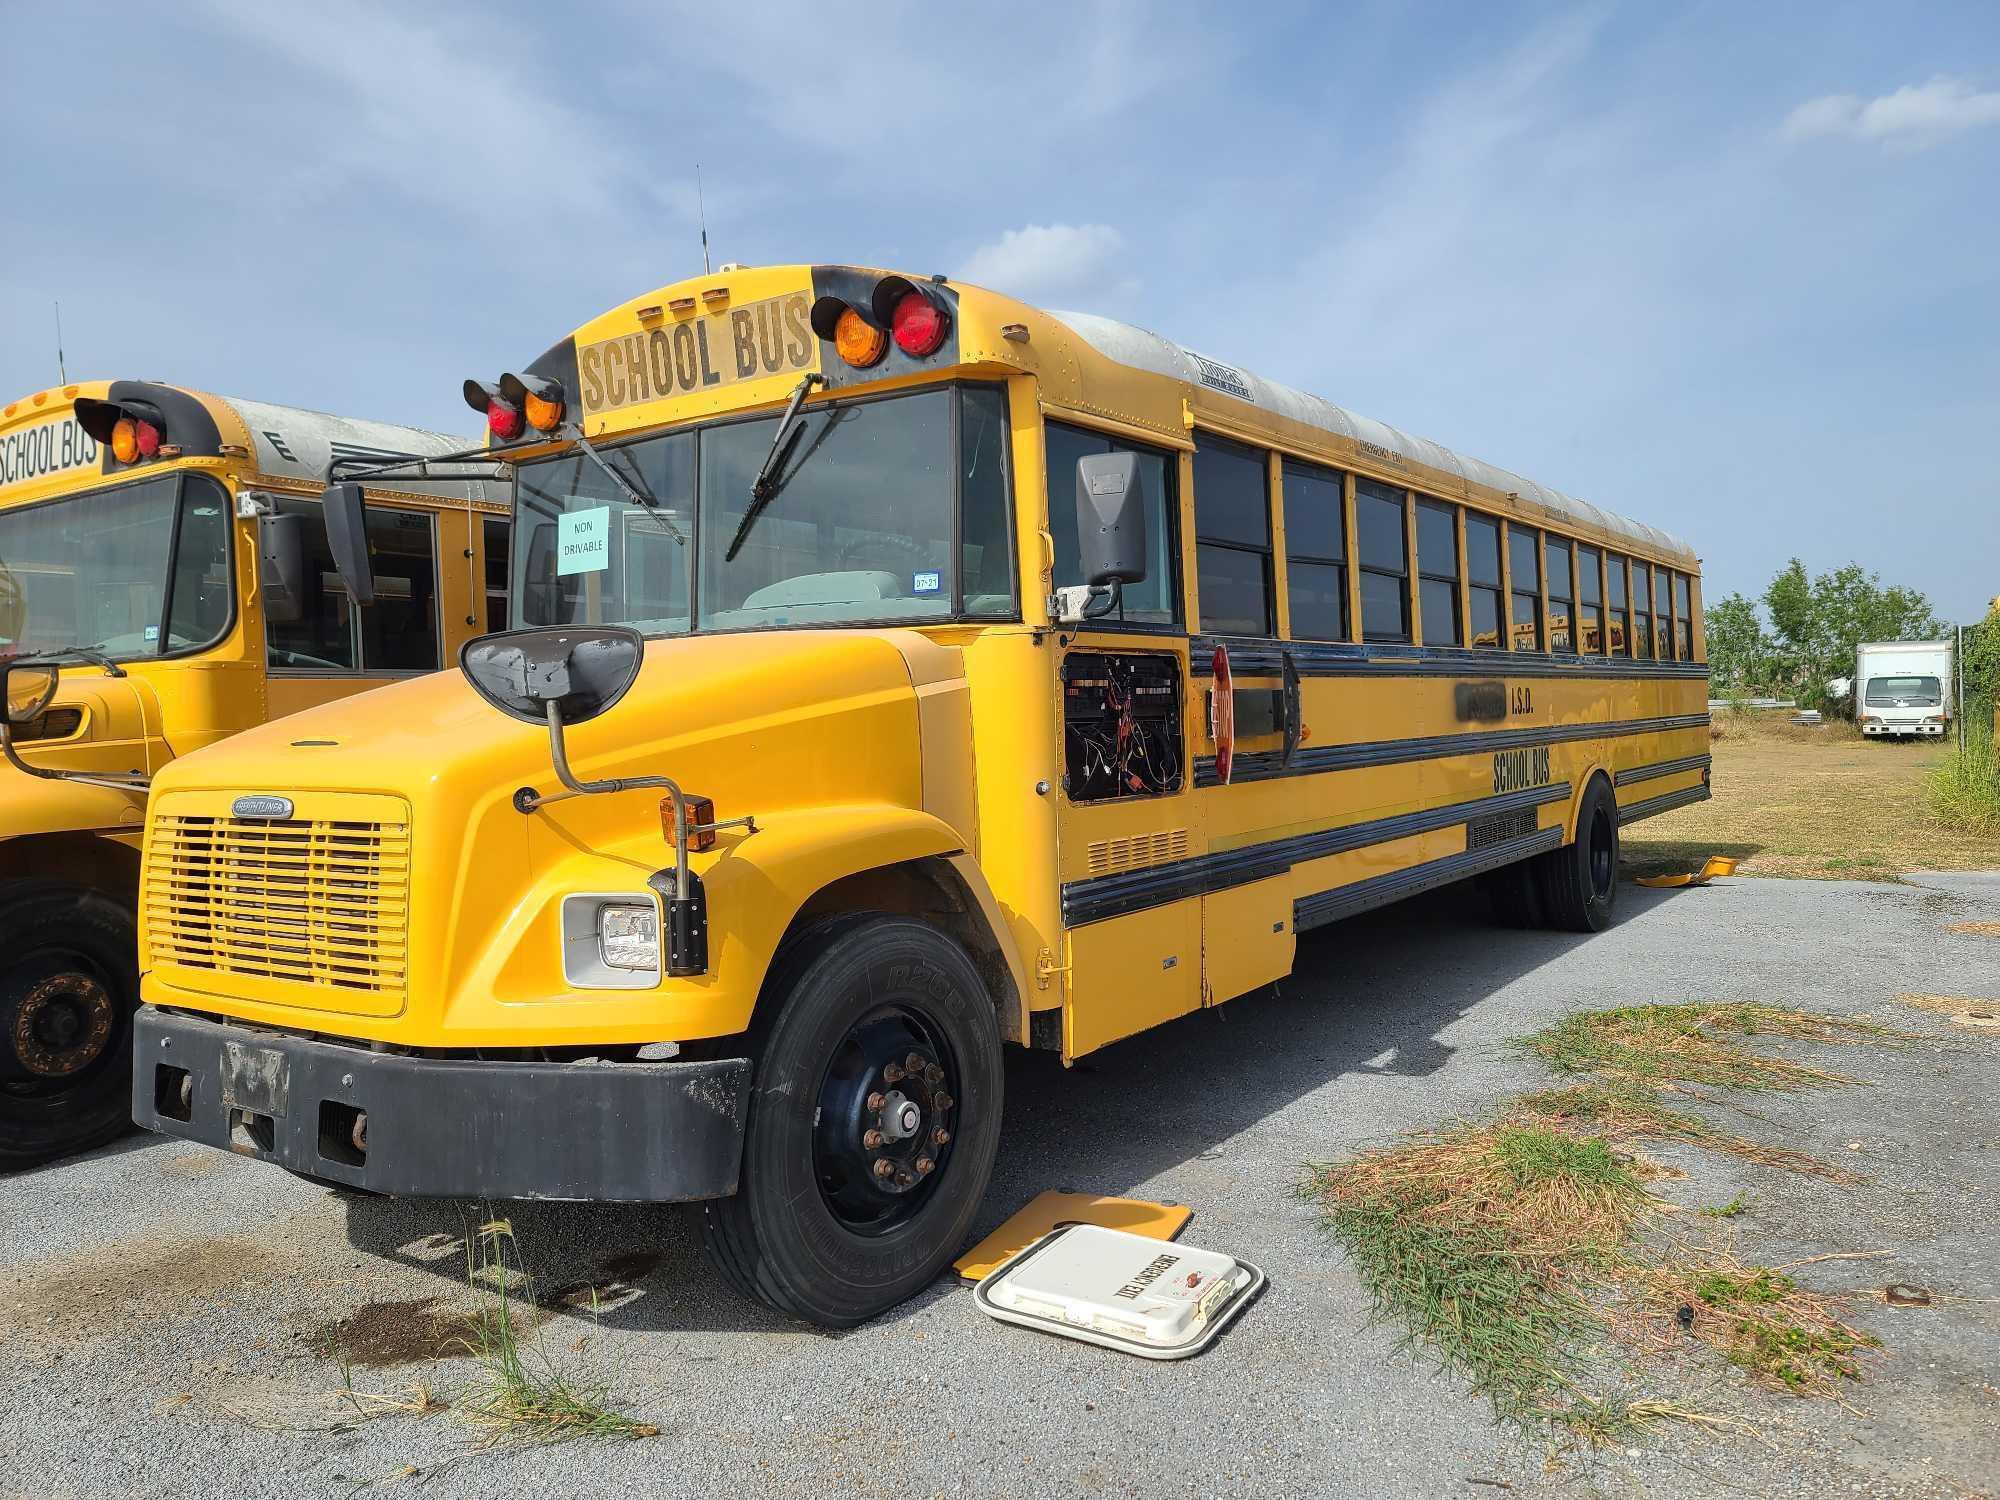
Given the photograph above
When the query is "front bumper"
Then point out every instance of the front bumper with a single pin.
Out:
(443, 1127)
(1904, 731)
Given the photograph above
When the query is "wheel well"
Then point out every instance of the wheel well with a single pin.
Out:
(1597, 773)
(931, 891)
(88, 859)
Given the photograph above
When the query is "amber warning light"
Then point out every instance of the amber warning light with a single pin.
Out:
(514, 403)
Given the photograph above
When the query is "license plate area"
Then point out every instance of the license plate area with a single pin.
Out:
(256, 1080)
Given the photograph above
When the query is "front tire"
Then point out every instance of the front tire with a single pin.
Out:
(874, 1120)
(69, 982)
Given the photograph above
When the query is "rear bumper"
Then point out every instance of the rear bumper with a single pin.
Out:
(438, 1127)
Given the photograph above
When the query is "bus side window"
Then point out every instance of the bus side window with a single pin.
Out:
(1437, 572)
(1383, 549)
(1663, 621)
(495, 533)
(1524, 560)
(1642, 609)
(1156, 599)
(1232, 527)
(1617, 621)
(1562, 596)
(398, 633)
(1589, 602)
(1482, 574)
(1683, 620)
(1315, 551)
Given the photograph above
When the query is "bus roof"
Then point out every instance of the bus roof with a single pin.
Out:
(284, 446)
(1143, 350)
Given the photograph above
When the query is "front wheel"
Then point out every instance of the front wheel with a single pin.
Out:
(69, 981)
(873, 1124)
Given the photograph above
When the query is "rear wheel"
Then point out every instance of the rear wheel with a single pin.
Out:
(873, 1123)
(69, 981)
(1579, 882)
(1516, 894)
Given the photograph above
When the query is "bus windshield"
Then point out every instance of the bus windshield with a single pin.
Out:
(858, 526)
(1903, 692)
(138, 570)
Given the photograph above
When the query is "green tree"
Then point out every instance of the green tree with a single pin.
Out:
(1818, 622)
(1739, 651)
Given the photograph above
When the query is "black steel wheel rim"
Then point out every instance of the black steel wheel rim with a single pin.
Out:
(1603, 855)
(886, 1116)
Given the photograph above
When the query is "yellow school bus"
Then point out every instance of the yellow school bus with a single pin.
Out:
(897, 671)
(165, 581)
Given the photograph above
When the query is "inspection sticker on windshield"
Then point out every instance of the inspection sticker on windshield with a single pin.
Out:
(927, 583)
(583, 540)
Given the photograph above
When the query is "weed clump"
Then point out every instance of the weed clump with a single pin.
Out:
(1660, 1045)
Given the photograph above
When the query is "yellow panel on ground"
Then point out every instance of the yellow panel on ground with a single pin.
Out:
(1246, 937)
(1131, 972)
(1049, 1211)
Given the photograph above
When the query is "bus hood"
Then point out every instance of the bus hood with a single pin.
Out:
(421, 778)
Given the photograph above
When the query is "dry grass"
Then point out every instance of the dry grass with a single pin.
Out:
(1656, 1045)
(1975, 929)
(1967, 1010)
(1815, 803)
(1509, 1249)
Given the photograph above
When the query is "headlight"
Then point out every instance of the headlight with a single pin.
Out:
(628, 937)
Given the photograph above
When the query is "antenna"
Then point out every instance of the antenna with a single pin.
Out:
(62, 373)
(702, 210)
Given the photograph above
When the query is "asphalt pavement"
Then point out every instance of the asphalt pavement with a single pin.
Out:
(175, 1321)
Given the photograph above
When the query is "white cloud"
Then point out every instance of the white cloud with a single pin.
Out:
(1049, 262)
(1918, 114)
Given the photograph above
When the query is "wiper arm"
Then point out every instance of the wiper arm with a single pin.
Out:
(644, 501)
(89, 653)
(764, 488)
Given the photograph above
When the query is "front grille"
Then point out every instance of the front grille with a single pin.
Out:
(320, 901)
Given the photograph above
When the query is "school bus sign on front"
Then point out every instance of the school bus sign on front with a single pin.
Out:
(771, 337)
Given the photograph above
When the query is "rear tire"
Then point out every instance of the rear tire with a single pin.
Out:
(1516, 894)
(1579, 881)
(69, 982)
(848, 1203)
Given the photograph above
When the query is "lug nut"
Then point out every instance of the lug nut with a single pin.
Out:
(940, 1137)
(871, 1139)
(934, 1075)
(924, 1164)
(876, 1101)
(883, 1169)
(904, 1179)
(893, 1073)
(941, 1100)
(914, 1065)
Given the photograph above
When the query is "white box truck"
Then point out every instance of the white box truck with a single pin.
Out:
(1903, 689)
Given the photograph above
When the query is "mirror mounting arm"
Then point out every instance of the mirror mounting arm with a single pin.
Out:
(116, 781)
(527, 801)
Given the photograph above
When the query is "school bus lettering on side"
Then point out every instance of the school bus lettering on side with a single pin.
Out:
(853, 722)
(1515, 769)
(44, 450)
(767, 337)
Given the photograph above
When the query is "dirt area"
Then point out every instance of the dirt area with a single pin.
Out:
(1819, 804)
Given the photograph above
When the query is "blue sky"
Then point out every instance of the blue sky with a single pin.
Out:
(1734, 270)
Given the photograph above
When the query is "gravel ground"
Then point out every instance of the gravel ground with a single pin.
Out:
(166, 1313)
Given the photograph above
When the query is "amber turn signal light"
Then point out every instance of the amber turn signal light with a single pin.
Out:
(700, 811)
(858, 342)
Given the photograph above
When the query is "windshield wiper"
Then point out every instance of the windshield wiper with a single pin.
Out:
(764, 488)
(90, 654)
(644, 501)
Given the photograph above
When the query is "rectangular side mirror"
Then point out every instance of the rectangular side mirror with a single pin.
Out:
(281, 567)
(1110, 519)
(347, 540)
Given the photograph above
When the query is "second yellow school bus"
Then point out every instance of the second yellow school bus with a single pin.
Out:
(898, 671)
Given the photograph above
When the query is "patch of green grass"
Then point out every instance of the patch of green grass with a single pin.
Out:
(1964, 786)
(1727, 1210)
(1477, 1241)
(1763, 1321)
(1659, 1045)
(527, 1395)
